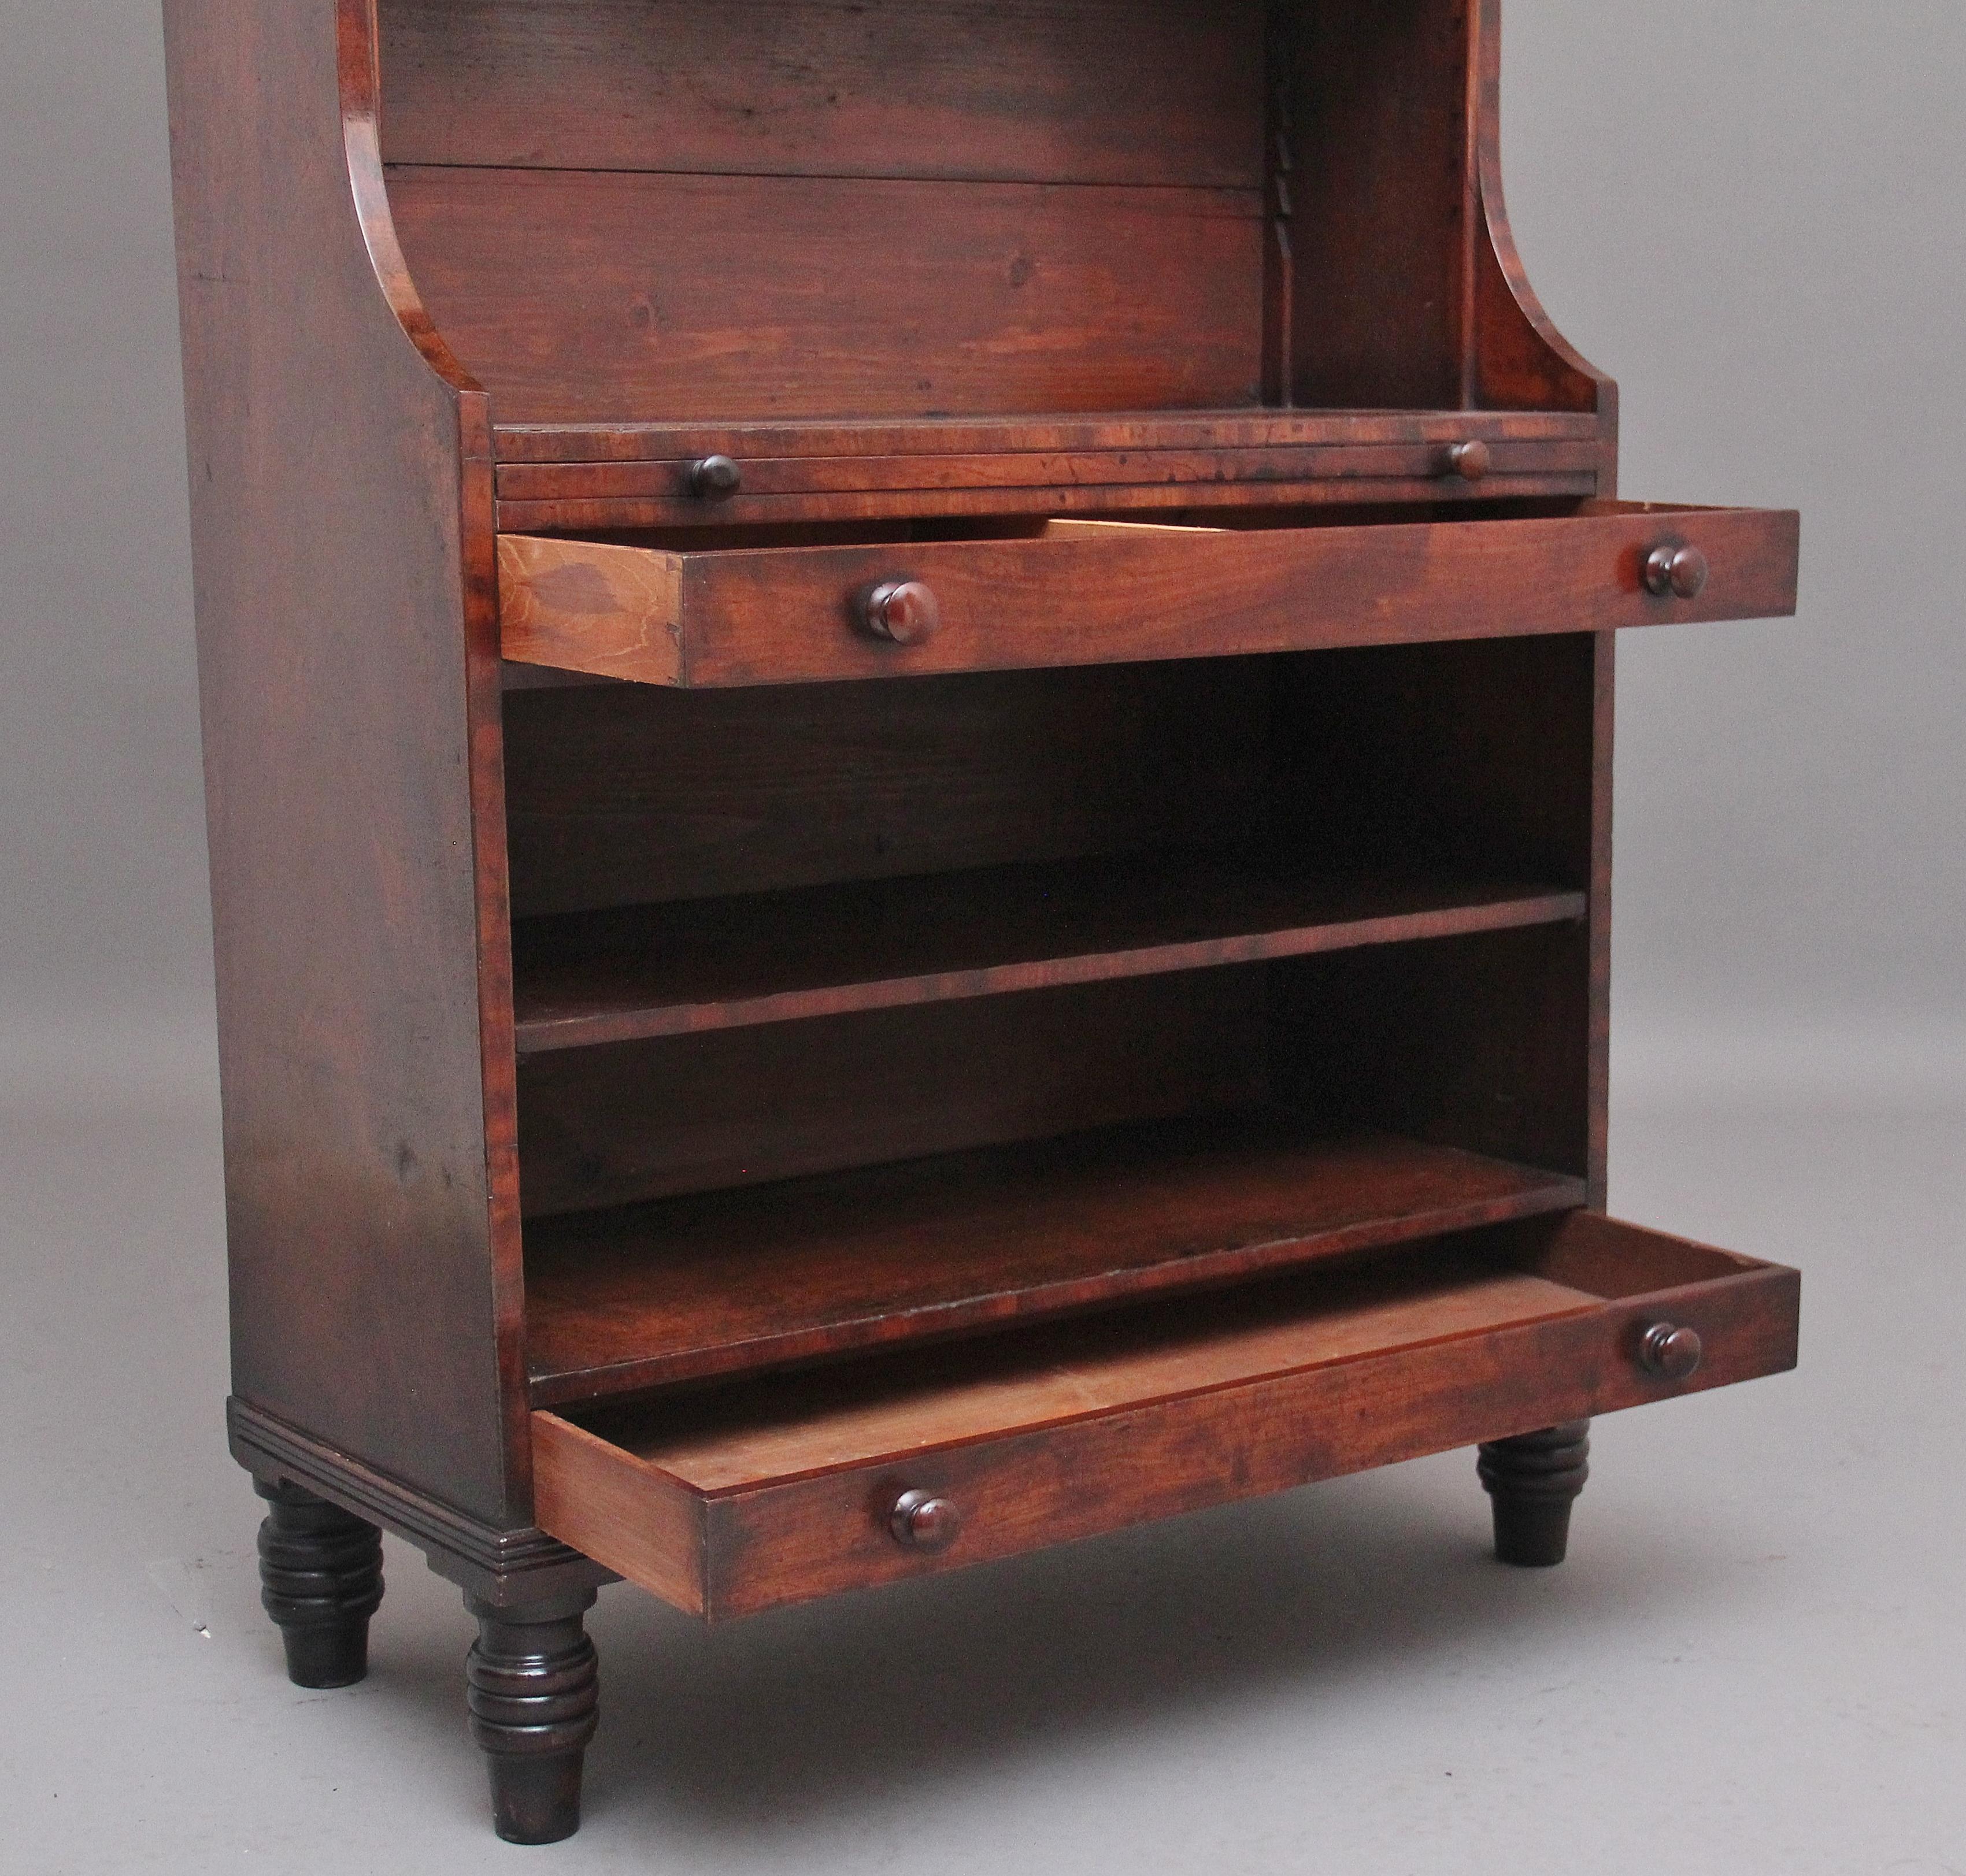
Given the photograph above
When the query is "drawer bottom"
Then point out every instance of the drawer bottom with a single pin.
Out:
(731, 1500)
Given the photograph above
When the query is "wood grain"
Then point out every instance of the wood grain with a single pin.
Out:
(1157, 1054)
(743, 1280)
(598, 476)
(341, 503)
(633, 794)
(1111, 432)
(1063, 1431)
(1489, 755)
(920, 472)
(656, 1522)
(649, 971)
(555, 596)
(806, 1425)
(520, 1564)
(1517, 358)
(1090, 593)
(1378, 95)
(739, 1107)
(1032, 90)
(1220, 496)
(991, 297)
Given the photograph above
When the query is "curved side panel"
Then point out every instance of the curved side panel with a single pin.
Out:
(357, 50)
(1518, 360)
(341, 496)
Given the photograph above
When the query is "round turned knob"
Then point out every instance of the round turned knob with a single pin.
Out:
(921, 1521)
(715, 475)
(1470, 462)
(904, 611)
(1680, 571)
(1672, 1353)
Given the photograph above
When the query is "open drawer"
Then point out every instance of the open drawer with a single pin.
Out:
(1069, 592)
(733, 1499)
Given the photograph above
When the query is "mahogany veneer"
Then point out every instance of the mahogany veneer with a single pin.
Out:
(737, 1500)
(1092, 592)
(908, 722)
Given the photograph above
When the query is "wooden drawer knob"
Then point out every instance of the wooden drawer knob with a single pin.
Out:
(715, 475)
(902, 611)
(1671, 1352)
(921, 1521)
(1679, 570)
(1470, 462)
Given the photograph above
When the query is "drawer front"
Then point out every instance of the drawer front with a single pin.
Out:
(681, 1523)
(1083, 593)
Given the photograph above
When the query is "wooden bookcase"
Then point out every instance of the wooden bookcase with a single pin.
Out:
(908, 711)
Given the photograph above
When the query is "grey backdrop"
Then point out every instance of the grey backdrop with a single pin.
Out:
(1752, 214)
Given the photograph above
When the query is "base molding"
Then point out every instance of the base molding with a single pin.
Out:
(500, 1567)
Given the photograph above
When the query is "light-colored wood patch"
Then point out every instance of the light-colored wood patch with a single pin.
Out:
(618, 1510)
(862, 1428)
(615, 611)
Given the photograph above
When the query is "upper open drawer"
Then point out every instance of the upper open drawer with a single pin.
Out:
(1101, 592)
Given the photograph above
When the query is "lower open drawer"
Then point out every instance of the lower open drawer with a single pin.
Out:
(733, 1499)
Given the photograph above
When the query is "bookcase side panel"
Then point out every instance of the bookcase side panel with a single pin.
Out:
(340, 487)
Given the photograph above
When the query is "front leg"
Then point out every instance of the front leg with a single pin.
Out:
(321, 1579)
(534, 1691)
(1534, 1480)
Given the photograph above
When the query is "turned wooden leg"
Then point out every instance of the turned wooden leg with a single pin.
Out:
(321, 1579)
(534, 1689)
(1533, 1481)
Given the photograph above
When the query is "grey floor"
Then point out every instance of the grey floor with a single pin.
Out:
(1755, 1662)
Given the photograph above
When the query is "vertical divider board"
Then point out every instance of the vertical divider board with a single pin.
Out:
(1378, 94)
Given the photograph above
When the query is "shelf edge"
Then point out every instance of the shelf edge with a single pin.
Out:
(545, 1035)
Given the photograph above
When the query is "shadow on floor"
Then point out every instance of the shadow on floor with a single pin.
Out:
(771, 1723)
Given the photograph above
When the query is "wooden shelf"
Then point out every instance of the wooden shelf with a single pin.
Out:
(712, 1284)
(585, 979)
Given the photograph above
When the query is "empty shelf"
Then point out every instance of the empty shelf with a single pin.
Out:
(717, 1283)
(589, 978)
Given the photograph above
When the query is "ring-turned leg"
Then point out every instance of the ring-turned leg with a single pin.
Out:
(1533, 1481)
(534, 1689)
(321, 1579)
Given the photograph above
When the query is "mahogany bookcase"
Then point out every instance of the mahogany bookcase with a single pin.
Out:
(908, 719)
